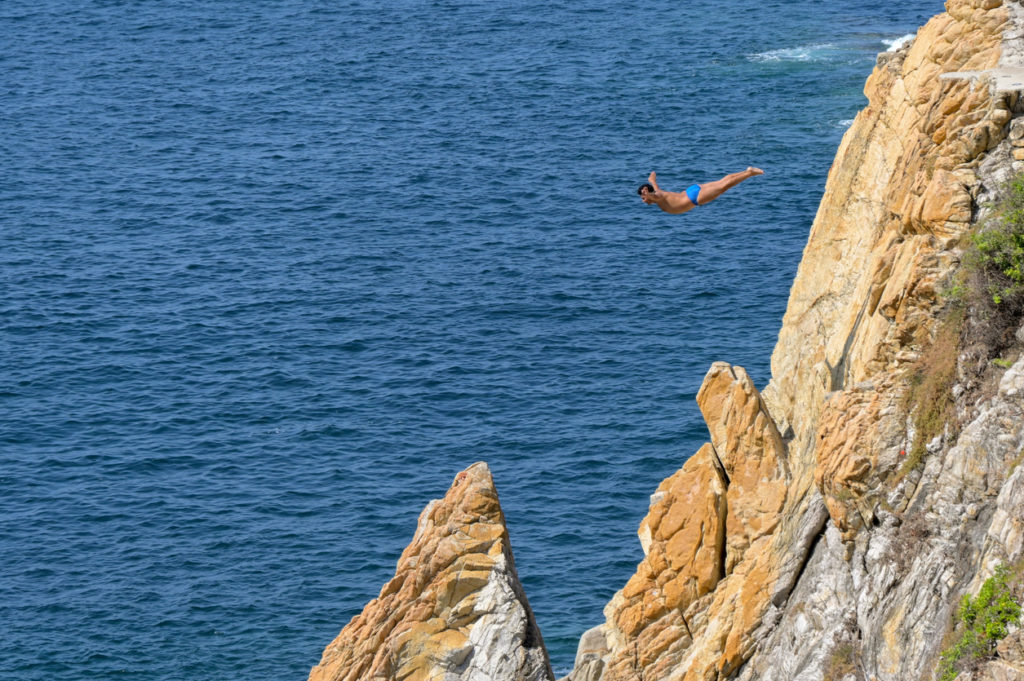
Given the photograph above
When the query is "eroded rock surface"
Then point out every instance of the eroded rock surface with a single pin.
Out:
(708, 541)
(454, 611)
(796, 544)
(838, 561)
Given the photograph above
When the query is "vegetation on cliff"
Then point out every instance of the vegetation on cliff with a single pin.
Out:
(990, 284)
(985, 304)
(983, 620)
(841, 662)
(995, 258)
(929, 396)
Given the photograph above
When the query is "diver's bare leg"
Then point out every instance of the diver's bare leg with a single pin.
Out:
(712, 190)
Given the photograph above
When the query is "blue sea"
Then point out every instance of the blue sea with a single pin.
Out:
(274, 272)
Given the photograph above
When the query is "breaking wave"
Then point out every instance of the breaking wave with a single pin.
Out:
(803, 53)
(894, 44)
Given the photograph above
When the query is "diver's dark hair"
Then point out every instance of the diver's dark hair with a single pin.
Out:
(649, 186)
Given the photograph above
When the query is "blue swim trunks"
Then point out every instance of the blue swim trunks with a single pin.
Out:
(692, 192)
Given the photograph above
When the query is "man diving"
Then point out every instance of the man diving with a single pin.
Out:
(695, 195)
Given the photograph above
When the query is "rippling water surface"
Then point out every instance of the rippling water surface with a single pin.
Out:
(273, 272)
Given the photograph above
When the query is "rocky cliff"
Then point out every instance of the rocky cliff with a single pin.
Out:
(800, 543)
(835, 518)
(454, 611)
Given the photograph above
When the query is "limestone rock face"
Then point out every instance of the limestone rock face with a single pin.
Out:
(836, 562)
(899, 195)
(751, 451)
(794, 545)
(889, 603)
(860, 446)
(454, 611)
(707, 539)
(684, 535)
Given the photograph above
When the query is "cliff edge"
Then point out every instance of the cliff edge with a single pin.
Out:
(803, 542)
(835, 518)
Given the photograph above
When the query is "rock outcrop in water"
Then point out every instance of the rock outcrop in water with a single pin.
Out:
(454, 611)
(799, 543)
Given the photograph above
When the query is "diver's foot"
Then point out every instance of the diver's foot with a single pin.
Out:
(751, 170)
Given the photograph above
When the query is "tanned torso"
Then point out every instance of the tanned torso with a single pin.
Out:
(673, 202)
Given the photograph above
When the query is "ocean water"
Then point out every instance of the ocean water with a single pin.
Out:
(273, 272)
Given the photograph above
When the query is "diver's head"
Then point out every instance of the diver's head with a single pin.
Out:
(646, 185)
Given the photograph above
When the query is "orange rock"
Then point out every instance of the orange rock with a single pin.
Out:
(455, 608)
(899, 195)
(684, 534)
(750, 448)
(847, 454)
(723, 503)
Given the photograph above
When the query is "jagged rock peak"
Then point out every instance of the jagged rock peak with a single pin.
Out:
(710, 568)
(454, 611)
(795, 545)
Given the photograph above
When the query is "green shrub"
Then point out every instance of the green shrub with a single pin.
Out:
(985, 305)
(985, 620)
(996, 251)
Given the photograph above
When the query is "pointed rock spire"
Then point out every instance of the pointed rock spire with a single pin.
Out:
(454, 611)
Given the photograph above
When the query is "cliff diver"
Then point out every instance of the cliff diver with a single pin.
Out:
(695, 195)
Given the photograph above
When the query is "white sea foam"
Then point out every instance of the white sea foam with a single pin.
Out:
(894, 44)
(819, 52)
(845, 123)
